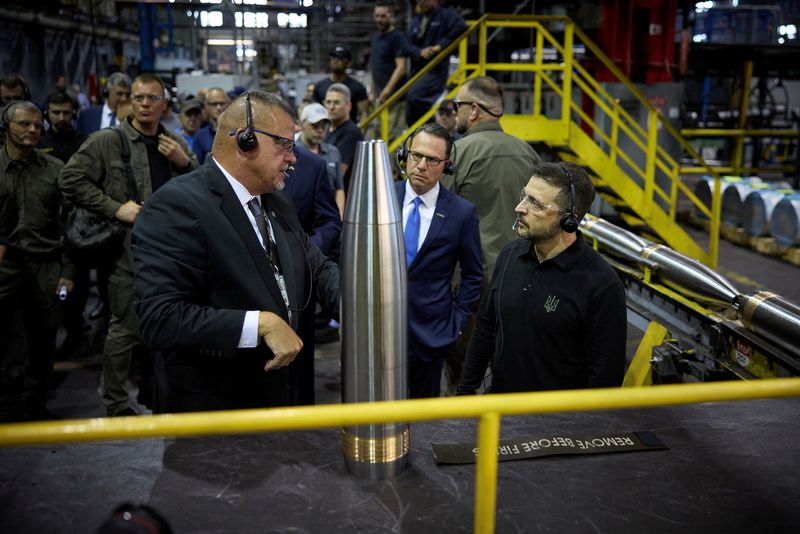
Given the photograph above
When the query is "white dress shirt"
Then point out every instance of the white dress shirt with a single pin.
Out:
(427, 207)
(105, 118)
(249, 337)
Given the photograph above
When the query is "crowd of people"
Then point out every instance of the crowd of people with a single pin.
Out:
(223, 216)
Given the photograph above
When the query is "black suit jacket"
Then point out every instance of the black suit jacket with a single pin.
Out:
(89, 119)
(198, 268)
(310, 190)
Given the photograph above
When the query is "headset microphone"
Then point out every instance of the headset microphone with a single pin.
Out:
(515, 225)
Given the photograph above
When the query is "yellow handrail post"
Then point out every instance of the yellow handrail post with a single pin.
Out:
(566, 96)
(716, 221)
(537, 77)
(738, 150)
(486, 472)
(650, 162)
(614, 134)
(482, 48)
(385, 124)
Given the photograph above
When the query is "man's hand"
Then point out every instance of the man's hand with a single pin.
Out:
(63, 282)
(430, 51)
(172, 151)
(128, 212)
(280, 338)
(3, 249)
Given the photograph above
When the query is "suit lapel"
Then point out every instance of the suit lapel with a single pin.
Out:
(234, 211)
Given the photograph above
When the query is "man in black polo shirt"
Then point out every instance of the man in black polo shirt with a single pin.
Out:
(344, 133)
(61, 140)
(554, 314)
(340, 61)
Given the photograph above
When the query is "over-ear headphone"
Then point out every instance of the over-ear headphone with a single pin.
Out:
(7, 113)
(569, 221)
(402, 152)
(246, 139)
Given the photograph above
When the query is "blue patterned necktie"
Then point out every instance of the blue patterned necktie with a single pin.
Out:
(412, 232)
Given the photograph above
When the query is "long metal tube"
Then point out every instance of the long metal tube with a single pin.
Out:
(773, 317)
(374, 311)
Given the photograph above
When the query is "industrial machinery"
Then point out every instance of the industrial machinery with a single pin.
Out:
(698, 326)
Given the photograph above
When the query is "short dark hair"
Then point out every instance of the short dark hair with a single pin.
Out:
(436, 130)
(392, 6)
(12, 81)
(560, 175)
(59, 97)
(149, 77)
(487, 91)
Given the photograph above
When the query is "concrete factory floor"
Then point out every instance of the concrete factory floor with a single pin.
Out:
(730, 468)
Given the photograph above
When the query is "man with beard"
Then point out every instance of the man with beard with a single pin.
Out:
(554, 314)
(61, 140)
(491, 167)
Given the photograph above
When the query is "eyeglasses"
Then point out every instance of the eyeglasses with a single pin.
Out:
(458, 103)
(286, 144)
(27, 124)
(155, 99)
(533, 203)
(416, 157)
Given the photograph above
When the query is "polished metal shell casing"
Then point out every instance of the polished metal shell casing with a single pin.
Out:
(374, 312)
(773, 317)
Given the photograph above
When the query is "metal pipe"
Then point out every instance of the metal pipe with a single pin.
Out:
(374, 311)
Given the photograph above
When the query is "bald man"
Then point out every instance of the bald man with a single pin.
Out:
(223, 269)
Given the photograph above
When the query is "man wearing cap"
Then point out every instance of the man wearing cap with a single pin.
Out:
(446, 118)
(340, 61)
(191, 119)
(314, 125)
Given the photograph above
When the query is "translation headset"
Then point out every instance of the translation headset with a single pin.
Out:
(403, 151)
(7, 112)
(246, 139)
(569, 221)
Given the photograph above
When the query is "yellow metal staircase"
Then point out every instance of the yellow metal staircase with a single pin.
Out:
(643, 181)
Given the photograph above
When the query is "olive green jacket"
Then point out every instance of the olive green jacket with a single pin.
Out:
(94, 177)
(491, 169)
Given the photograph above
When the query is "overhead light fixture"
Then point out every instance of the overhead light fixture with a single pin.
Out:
(230, 42)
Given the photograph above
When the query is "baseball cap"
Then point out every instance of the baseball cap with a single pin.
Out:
(314, 113)
(191, 104)
(447, 105)
(342, 53)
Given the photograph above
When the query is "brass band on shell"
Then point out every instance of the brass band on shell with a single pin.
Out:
(375, 450)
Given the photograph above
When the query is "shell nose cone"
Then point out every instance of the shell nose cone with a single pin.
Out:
(371, 198)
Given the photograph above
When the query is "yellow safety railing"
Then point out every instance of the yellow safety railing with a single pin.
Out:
(644, 175)
(487, 408)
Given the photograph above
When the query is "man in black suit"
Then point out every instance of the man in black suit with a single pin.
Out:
(98, 117)
(223, 269)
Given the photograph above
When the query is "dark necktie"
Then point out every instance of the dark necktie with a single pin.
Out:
(261, 222)
(113, 120)
(411, 233)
